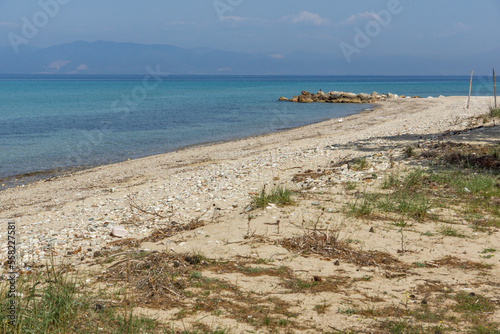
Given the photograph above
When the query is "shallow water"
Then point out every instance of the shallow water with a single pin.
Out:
(53, 123)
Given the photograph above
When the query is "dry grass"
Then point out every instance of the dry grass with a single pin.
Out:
(455, 262)
(329, 246)
(171, 230)
(177, 280)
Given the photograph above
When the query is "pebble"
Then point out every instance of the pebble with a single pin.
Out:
(119, 232)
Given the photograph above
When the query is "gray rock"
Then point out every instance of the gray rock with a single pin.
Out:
(364, 97)
(304, 99)
(336, 95)
(349, 95)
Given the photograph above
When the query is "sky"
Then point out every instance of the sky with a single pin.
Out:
(393, 27)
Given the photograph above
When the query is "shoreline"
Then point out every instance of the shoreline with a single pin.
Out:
(24, 179)
(129, 174)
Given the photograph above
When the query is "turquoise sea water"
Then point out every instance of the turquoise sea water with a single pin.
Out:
(51, 123)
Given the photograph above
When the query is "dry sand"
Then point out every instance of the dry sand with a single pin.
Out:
(72, 215)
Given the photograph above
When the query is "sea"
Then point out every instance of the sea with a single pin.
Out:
(52, 124)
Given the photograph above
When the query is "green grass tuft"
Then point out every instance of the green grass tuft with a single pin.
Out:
(279, 195)
(495, 112)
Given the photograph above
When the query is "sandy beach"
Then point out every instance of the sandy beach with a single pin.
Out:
(211, 187)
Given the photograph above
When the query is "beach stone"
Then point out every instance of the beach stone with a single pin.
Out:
(282, 98)
(336, 95)
(304, 99)
(119, 232)
(349, 95)
(364, 96)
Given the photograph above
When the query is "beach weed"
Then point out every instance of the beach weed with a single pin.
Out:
(279, 195)
(391, 181)
(360, 164)
(451, 232)
(495, 112)
(350, 185)
(472, 303)
(409, 151)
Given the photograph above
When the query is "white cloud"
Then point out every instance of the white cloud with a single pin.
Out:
(277, 56)
(237, 19)
(176, 23)
(308, 18)
(82, 67)
(354, 19)
(457, 28)
(58, 64)
(9, 24)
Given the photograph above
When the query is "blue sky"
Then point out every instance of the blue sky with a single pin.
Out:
(418, 27)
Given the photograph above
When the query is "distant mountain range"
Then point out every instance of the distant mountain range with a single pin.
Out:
(130, 58)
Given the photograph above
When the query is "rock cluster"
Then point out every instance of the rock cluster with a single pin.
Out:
(341, 97)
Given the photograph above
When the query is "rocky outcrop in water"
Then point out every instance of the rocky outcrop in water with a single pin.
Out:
(341, 97)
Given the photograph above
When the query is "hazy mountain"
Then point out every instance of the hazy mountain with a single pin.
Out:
(131, 58)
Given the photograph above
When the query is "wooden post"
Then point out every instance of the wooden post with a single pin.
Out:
(470, 89)
(495, 87)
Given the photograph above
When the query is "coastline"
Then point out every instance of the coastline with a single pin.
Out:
(20, 180)
(119, 174)
(197, 202)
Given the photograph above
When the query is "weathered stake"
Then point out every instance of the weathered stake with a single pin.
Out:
(495, 87)
(470, 89)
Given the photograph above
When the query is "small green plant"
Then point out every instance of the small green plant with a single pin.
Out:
(400, 223)
(282, 322)
(362, 206)
(495, 112)
(489, 256)
(488, 250)
(196, 275)
(451, 232)
(360, 164)
(472, 303)
(347, 310)
(350, 185)
(323, 307)
(403, 327)
(279, 195)
(479, 183)
(409, 151)
(391, 181)
(54, 301)
(427, 233)
(486, 329)
(414, 178)
(419, 264)
(264, 261)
